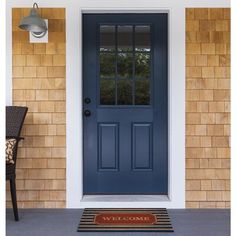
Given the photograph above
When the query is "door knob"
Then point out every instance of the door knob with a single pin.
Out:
(87, 113)
(87, 100)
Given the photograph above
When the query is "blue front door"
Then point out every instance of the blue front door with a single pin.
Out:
(125, 104)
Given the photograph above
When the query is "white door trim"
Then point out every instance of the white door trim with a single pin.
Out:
(176, 112)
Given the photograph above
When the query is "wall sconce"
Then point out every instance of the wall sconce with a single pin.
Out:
(35, 25)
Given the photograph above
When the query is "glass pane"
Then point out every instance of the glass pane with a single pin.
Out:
(125, 65)
(142, 65)
(124, 92)
(107, 92)
(107, 38)
(142, 38)
(142, 92)
(107, 65)
(125, 38)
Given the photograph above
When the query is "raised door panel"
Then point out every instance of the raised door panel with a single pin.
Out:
(142, 146)
(108, 147)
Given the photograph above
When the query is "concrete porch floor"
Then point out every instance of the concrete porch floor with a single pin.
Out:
(64, 222)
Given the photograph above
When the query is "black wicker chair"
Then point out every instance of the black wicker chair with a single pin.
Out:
(15, 117)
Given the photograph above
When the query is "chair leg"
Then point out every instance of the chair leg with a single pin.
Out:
(13, 198)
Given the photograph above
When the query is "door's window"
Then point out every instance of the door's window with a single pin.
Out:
(142, 65)
(107, 92)
(142, 95)
(125, 38)
(142, 38)
(125, 64)
(124, 92)
(107, 38)
(107, 65)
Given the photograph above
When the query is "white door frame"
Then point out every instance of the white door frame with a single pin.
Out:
(176, 115)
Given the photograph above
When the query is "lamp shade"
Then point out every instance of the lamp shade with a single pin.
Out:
(33, 23)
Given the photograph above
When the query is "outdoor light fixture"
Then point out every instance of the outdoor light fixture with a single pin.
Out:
(34, 23)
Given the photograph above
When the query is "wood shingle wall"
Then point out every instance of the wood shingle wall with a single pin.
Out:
(39, 82)
(207, 108)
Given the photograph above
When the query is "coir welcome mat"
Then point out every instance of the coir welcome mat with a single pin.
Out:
(125, 220)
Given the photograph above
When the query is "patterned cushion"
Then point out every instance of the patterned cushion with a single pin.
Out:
(10, 144)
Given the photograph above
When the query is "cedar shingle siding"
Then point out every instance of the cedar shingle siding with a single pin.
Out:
(39, 82)
(207, 108)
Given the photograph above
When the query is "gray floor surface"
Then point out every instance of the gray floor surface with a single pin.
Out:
(64, 222)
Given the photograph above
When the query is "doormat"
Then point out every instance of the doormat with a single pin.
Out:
(125, 220)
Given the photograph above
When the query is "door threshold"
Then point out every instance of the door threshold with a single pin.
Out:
(125, 198)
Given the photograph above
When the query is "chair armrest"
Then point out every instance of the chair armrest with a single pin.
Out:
(17, 138)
